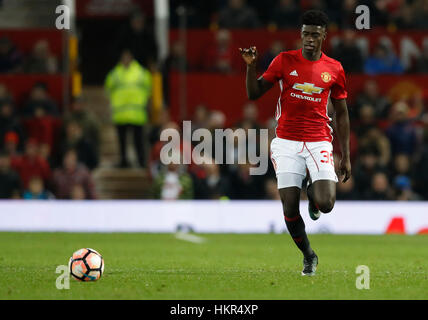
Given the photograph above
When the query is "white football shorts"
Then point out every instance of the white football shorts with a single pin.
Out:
(291, 159)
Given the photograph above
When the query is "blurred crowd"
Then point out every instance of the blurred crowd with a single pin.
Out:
(45, 154)
(281, 14)
(389, 152)
(350, 49)
(40, 60)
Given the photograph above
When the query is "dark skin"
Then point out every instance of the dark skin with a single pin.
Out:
(323, 192)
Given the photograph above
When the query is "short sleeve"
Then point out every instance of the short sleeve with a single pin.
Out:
(338, 90)
(274, 71)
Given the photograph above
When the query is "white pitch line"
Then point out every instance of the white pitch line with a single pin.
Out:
(189, 237)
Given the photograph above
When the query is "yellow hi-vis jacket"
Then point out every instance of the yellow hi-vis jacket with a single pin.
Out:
(129, 89)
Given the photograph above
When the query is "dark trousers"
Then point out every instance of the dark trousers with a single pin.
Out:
(138, 135)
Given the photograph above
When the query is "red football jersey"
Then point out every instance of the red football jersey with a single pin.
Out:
(306, 86)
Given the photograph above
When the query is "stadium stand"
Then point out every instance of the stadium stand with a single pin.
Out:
(388, 112)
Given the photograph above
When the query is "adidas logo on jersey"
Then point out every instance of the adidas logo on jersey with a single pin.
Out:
(294, 73)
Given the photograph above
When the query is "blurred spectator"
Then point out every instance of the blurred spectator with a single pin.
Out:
(176, 61)
(403, 190)
(210, 184)
(405, 19)
(10, 57)
(380, 188)
(11, 142)
(416, 105)
(401, 165)
(198, 14)
(78, 192)
(36, 190)
(421, 13)
(347, 14)
(129, 86)
(422, 62)
(156, 127)
(375, 139)
(379, 15)
(155, 164)
(353, 145)
(402, 178)
(348, 53)
(406, 194)
(5, 96)
(276, 48)
(285, 14)
(347, 190)
(420, 172)
(10, 183)
(216, 120)
(86, 120)
(39, 103)
(237, 15)
(74, 139)
(173, 183)
(41, 59)
(371, 96)
(10, 126)
(138, 37)
(245, 186)
(250, 114)
(367, 119)
(401, 133)
(200, 117)
(271, 189)
(40, 117)
(221, 55)
(31, 164)
(72, 173)
(365, 168)
(383, 61)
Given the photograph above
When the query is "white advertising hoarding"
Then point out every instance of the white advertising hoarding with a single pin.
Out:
(206, 216)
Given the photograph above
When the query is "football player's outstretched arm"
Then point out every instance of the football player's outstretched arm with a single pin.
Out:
(342, 127)
(255, 87)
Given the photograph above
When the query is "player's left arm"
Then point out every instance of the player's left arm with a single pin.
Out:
(342, 127)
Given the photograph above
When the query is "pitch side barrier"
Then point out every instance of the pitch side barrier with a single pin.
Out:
(347, 217)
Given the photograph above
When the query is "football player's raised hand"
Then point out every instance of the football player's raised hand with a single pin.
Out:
(249, 55)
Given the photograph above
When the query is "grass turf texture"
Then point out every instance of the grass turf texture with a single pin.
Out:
(226, 266)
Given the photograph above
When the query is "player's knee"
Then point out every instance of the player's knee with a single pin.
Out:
(326, 205)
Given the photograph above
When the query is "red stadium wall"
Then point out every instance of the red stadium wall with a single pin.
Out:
(26, 39)
(227, 92)
(20, 85)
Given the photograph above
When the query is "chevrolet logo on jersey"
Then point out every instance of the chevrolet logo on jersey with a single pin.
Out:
(307, 88)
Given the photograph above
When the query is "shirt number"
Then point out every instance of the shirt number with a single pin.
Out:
(327, 157)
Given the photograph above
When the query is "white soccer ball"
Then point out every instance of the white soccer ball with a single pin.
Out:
(86, 265)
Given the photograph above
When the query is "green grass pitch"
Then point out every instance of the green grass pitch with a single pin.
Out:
(225, 266)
